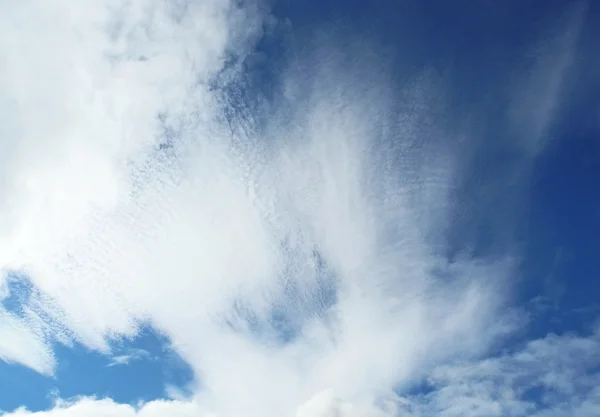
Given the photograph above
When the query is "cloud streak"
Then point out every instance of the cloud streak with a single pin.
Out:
(537, 99)
(130, 356)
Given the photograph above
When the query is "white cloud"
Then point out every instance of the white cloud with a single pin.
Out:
(549, 377)
(114, 232)
(104, 408)
(22, 342)
(83, 130)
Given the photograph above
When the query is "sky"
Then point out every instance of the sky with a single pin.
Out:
(277, 208)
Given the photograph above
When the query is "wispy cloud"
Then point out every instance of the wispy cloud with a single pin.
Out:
(553, 376)
(539, 95)
(138, 190)
(22, 342)
(130, 356)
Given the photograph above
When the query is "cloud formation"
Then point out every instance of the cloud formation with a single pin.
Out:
(552, 376)
(130, 356)
(298, 264)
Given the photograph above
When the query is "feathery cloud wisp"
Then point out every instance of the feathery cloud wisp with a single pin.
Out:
(295, 264)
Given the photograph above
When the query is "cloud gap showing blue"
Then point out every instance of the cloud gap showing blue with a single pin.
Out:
(138, 369)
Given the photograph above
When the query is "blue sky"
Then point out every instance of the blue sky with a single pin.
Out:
(300, 208)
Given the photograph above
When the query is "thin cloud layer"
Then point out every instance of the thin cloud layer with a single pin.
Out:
(538, 95)
(297, 264)
(130, 356)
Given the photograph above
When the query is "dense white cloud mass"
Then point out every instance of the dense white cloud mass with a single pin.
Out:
(219, 232)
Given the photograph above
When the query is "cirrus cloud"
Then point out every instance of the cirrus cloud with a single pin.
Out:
(139, 189)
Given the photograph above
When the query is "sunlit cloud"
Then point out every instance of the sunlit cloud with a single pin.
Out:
(298, 264)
